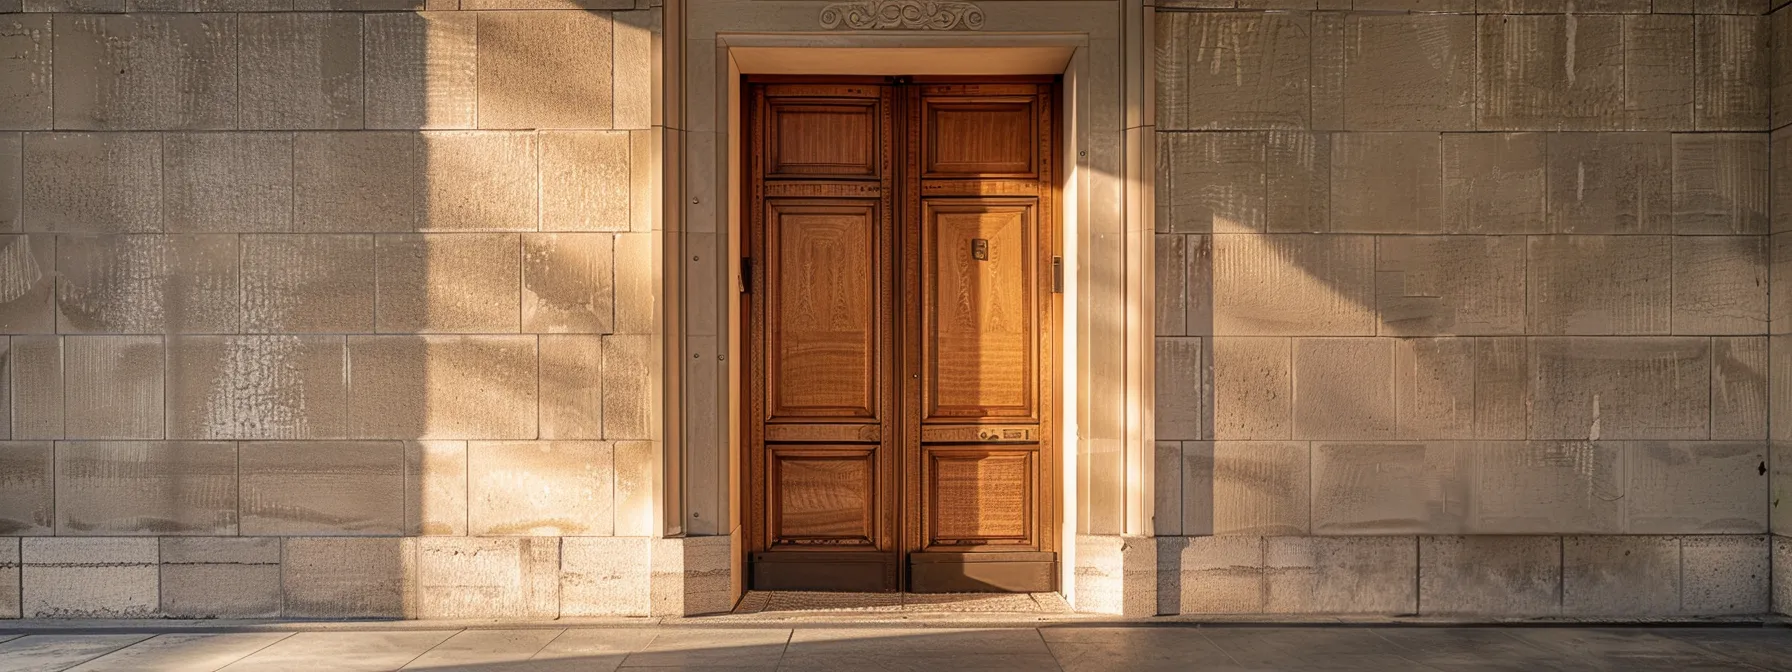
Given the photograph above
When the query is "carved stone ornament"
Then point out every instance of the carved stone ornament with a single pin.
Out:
(902, 15)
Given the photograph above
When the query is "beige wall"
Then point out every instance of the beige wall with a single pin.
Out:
(326, 313)
(1463, 312)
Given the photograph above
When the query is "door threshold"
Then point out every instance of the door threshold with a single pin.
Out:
(770, 602)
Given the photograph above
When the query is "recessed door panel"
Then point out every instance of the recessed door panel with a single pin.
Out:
(823, 282)
(981, 496)
(823, 137)
(823, 495)
(981, 309)
(980, 137)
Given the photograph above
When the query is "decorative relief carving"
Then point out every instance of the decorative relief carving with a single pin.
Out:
(902, 15)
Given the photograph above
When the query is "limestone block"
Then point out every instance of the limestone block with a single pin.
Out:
(256, 387)
(1598, 285)
(1344, 388)
(1450, 285)
(1309, 575)
(1720, 285)
(1779, 292)
(1291, 285)
(1751, 7)
(1547, 488)
(28, 284)
(1731, 85)
(112, 387)
(1181, 378)
(637, 472)
(1171, 293)
(1166, 492)
(1782, 566)
(1779, 486)
(1556, 72)
(1696, 488)
(1721, 183)
(93, 182)
(1253, 388)
(604, 576)
(300, 71)
(1610, 182)
(74, 5)
(1364, 165)
(421, 69)
(568, 283)
(469, 577)
(1613, 575)
(220, 577)
(1215, 575)
(627, 399)
(9, 578)
(141, 487)
(1258, 487)
(1725, 575)
(1434, 388)
(1233, 71)
(34, 366)
(1184, 482)
(456, 283)
(147, 284)
(1780, 173)
(1739, 377)
(571, 387)
(12, 181)
(1780, 92)
(1490, 576)
(1391, 488)
(1621, 388)
(1117, 575)
(146, 71)
(472, 181)
(1212, 182)
(435, 481)
(1408, 72)
(585, 181)
(346, 577)
(1299, 182)
(27, 489)
(1658, 72)
(635, 282)
(632, 65)
(1779, 374)
(1502, 388)
(334, 488)
(88, 578)
(24, 73)
(544, 70)
(443, 387)
(1494, 182)
(227, 182)
(309, 283)
(557, 488)
(645, 148)
(355, 181)
(5, 390)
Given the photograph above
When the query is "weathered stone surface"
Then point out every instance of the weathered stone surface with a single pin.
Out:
(458, 283)
(1341, 575)
(449, 387)
(558, 488)
(1259, 488)
(300, 70)
(1253, 390)
(1721, 183)
(421, 69)
(12, 181)
(146, 71)
(1299, 182)
(1610, 183)
(139, 487)
(1344, 388)
(1547, 488)
(1658, 72)
(227, 182)
(355, 182)
(488, 578)
(310, 283)
(1233, 71)
(256, 387)
(1720, 285)
(24, 73)
(634, 283)
(1363, 167)
(9, 578)
(28, 284)
(1388, 488)
(1434, 388)
(1184, 480)
(88, 578)
(1456, 285)
(1181, 408)
(1559, 72)
(1696, 488)
(1485, 575)
(1731, 84)
(333, 488)
(345, 577)
(1166, 474)
(1170, 296)
(691, 574)
(112, 387)
(636, 475)
(1779, 292)
(1494, 183)
(1502, 388)
(27, 489)
(220, 577)
(1779, 486)
(147, 284)
(435, 482)
(1213, 575)
(568, 283)
(544, 70)
(571, 387)
(93, 182)
(1610, 575)
(472, 181)
(1739, 383)
(633, 35)
(1289, 285)
(1782, 566)
(604, 576)
(1409, 72)
(1599, 285)
(628, 399)
(1780, 63)
(1621, 388)
(585, 181)
(1780, 176)
(1212, 182)
(1725, 574)
(34, 365)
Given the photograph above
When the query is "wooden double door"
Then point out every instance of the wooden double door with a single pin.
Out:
(901, 309)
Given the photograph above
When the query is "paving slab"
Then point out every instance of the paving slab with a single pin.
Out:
(59, 652)
(342, 651)
(183, 652)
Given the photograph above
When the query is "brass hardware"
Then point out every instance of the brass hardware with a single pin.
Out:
(980, 249)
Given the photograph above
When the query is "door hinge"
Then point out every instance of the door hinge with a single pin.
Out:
(746, 275)
(1057, 274)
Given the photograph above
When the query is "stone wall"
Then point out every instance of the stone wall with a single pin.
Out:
(1463, 307)
(1780, 343)
(326, 308)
